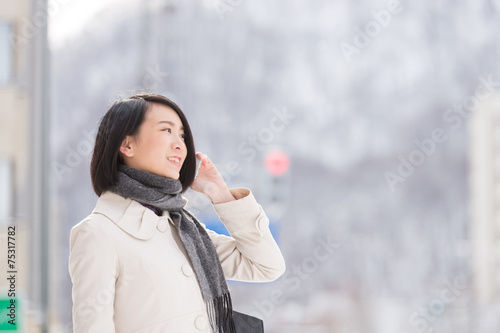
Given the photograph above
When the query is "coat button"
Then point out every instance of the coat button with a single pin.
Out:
(200, 322)
(262, 224)
(187, 270)
(162, 225)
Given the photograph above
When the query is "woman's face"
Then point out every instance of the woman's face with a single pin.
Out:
(159, 146)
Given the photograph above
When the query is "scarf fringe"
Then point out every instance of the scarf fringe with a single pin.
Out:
(220, 314)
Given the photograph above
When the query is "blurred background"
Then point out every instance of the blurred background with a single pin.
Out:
(368, 130)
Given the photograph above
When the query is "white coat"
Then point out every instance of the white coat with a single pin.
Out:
(131, 273)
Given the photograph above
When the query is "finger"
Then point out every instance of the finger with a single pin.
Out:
(205, 160)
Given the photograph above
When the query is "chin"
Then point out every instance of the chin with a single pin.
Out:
(172, 176)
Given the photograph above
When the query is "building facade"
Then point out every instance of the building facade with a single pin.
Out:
(23, 37)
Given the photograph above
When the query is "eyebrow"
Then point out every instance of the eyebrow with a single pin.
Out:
(170, 123)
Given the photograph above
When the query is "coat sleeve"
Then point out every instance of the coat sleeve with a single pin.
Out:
(251, 253)
(93, 268)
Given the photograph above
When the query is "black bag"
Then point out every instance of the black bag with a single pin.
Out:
(247, 324)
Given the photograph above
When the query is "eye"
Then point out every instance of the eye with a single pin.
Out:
(183, 136)
(167, 129)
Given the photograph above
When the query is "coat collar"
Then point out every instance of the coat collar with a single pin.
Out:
(132, 217)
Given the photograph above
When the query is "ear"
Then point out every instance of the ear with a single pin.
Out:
(126, 147)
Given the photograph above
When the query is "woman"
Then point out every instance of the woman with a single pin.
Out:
(140, 262)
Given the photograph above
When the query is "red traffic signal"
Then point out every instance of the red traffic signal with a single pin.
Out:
(277, 163)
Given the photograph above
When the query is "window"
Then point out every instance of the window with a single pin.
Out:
(6, 52)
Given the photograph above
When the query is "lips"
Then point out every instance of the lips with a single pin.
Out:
(176, 160)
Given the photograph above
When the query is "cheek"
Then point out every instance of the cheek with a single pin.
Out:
(159, 142)
(151, 149)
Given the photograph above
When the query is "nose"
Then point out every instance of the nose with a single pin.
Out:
(178, 144)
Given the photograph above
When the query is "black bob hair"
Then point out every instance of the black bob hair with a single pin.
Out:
(124, 118)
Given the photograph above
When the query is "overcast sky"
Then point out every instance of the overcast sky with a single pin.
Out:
(70, 18)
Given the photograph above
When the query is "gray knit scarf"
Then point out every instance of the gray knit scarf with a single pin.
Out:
(165, 194)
